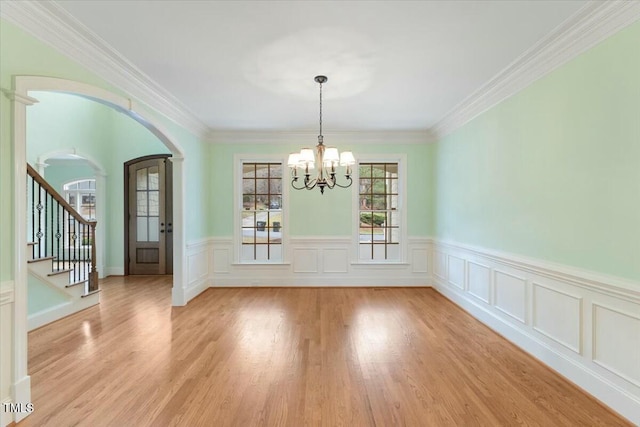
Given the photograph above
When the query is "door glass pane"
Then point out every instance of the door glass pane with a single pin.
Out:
(141, 179)
(142, 227)
(154, 202)
(142, 207)
(154, 178)
(154, 229)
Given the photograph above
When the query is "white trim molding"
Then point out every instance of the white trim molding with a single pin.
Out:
(53, 25)
(592, 24)
(345, 137)
(584, 325)
(319, 261)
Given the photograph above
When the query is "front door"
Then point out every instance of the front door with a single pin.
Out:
(149, 231)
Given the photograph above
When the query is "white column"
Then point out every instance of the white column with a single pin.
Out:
(21, 382)
(101, 217)
(180, 281)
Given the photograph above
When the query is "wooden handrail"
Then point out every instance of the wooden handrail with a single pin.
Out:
(49, 189)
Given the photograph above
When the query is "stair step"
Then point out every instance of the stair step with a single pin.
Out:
(79, 282)
(91, 293)
(56, 272)
(47, 258)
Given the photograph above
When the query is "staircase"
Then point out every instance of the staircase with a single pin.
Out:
(61, 255)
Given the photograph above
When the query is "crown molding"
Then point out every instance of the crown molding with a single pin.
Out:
(51, 24)
(593, 23)
(310, 137)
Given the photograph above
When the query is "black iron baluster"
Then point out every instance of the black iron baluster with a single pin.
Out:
(58, 235)
(33, 217)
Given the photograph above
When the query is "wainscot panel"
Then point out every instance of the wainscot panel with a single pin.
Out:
(320, 261)
(582, 324)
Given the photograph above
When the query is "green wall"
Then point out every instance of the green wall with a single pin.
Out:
(554, 171)
(107, 136)
(330, 214)
(59, 174)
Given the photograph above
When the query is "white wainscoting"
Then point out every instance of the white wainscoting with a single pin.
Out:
(584, 325)
(320, 261)
(200, 267)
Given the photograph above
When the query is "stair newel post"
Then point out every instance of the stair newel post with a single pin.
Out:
(93, 275)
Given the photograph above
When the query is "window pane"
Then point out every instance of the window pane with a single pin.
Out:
(275, 170)
(141, 179)
(141, 229)
(154, 178)
(275, 186)
(142, 209)
(275, 202)
(262, 186)
(248, 170)
(379, 202)
(154, 229)
(248, 219)
(154, 203)
(248, 202)
(262, 170)
(248, 186)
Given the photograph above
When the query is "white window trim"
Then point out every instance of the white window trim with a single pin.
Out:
(238, 160)
(93, 190)
(401, 159)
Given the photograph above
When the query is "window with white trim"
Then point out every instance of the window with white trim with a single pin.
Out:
(380, 214)
(81, 195)
(261, 215)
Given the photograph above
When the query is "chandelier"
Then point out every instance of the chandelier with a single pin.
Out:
(326, 158)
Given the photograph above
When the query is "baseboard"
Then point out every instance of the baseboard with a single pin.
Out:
(114, 271)
(193, 291)
(6, 418)
(22, 394)
(580, 324)
(36, 320)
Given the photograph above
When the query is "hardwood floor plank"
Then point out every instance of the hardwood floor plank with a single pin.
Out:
(290, 357)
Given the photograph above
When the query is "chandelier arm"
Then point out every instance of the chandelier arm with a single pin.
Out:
(306, 185)
(344, 186)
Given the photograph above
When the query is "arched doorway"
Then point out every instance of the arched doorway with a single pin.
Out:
(20, 100)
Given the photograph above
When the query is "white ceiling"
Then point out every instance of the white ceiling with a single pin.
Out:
(392, 65)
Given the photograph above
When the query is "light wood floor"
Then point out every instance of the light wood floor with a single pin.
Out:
(289, 357)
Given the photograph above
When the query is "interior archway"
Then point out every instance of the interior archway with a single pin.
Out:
(21, 99)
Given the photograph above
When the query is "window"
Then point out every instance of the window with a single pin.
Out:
(261, 219)
(379, 212)
(81, 195)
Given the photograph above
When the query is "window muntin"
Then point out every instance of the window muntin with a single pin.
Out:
(261, 217)
(379, 215)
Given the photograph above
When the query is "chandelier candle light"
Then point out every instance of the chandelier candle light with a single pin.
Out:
(327, 159)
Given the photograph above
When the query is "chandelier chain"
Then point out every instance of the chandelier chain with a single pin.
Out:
(320, 109)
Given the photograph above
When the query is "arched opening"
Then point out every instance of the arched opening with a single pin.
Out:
(21, 96)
